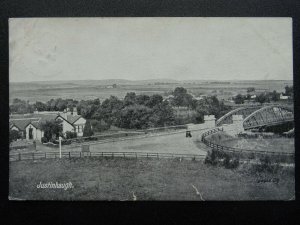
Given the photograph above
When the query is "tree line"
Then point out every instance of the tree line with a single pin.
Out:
(273, 96)
(133, 112)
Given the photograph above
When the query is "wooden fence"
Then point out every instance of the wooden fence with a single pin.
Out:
(244, 153)
(70, 155)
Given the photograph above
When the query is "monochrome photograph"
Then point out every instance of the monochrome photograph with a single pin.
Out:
(151, 109)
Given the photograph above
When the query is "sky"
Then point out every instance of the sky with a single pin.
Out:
(48, 49)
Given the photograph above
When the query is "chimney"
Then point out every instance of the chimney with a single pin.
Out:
(74, 111)
(68, 111)
(64, 114)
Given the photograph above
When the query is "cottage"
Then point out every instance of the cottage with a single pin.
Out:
(29, 125)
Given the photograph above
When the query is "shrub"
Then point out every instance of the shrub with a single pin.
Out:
(211, 158)
(52, 140)
(99, 126)
(226, 161)
(66, 142)
(234, 163)
(14, 135)
(90, 139)
(70, 135)
(87, 131)
(230, 163)
(265, 165)
(44, 140)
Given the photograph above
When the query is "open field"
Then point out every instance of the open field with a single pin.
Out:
(274, 144)
(44, 91)
(146, 179)
(277, 144)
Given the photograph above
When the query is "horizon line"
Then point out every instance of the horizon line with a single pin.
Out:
(152, 79)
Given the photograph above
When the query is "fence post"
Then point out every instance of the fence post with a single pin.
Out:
(69, 155)
(19, 156)
(157, 156)
(135, 155)
(80, 154)
(124, 155)
(112, 155)
(33, 155)
(45, 155)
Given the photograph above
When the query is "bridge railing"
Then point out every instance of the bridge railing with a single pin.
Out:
(247, 154)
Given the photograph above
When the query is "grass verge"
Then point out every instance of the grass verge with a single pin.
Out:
(146, 179)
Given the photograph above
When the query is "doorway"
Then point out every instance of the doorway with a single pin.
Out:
(30, 133)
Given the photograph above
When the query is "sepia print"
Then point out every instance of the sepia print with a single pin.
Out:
(132, 109)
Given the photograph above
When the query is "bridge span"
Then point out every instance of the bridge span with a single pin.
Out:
(259, 116)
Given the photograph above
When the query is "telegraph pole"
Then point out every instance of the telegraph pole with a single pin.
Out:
(60, 146)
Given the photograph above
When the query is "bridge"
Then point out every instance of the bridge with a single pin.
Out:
(259, 116)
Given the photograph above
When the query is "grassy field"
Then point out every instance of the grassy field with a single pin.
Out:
(44, 91)
(274, 144)
(146, 179)
(278, 144)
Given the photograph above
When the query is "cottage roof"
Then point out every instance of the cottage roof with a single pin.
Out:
(72, 119)
(36, 119)
(22, 123)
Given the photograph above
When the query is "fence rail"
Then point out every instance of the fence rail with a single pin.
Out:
(237, 150)
(70, 155)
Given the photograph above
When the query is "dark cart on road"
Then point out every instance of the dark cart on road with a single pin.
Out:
(188, 133)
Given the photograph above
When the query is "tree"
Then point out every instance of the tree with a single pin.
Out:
(239, 99)
(99, 125)
(130, 99)
(182, 98)
(88, 108)
(250, 89)
(52, 129)
(210, 106)
(162, 115)
(135, 117)
(275, 96)
(14, 135)
(142, 99)
(40, 106)
(109, 110)
(20, 106)
(154, 100)
(261, 98)
(179, 94)
(248, 97)
(87, 131)
(289, 90)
